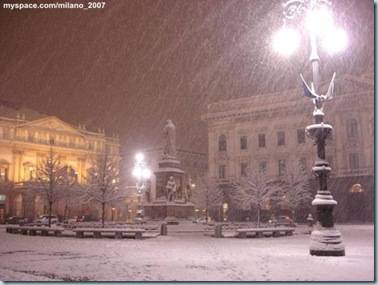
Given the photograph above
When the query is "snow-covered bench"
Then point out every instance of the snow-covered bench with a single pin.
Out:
(227, 229)
(33, 230)
(118, 232)
(13, 229)
(260, 232)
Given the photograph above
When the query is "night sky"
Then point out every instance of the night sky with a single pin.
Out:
(135, 63)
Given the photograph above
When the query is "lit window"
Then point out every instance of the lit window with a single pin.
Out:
(356, 188)
(3, 173)
(29, 172)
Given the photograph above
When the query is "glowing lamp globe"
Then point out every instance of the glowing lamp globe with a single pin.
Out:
(319, 21)
(137, 172)
(139, 157)
(336, 40)
(146, 173)
(286, 41)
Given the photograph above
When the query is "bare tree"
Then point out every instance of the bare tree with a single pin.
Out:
(103, 185)
(254, 190)
(71, 193)
(297, 190)
(49, 180)
(208, 194)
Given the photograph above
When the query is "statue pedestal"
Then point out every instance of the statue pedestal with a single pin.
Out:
(163, 210)
(166, 204)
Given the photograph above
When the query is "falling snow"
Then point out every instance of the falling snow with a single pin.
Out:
(131, 66)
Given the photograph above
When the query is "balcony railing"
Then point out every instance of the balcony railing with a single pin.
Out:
(43, 141)
(356, 172)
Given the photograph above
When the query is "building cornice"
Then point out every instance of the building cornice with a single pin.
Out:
(249, 108)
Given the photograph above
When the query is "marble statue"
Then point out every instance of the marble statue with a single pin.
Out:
(171, 189)
(169, 133)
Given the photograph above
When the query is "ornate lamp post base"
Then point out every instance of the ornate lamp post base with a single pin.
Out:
(326, 242)
(325, 239)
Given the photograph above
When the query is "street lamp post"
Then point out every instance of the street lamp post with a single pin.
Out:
(325, 239)
(142, 173)
(113, 210)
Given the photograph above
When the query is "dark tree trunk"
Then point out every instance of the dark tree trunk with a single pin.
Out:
(50, 211)
(65, 214)
(293, 214)
(103, 215)
(258, 216)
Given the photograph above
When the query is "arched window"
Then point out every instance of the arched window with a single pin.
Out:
(4, 166)
(18, 205)
(29, 171)
(222, 143)
(38, 205)
(352, 128)
(71, 173)
(356, 188)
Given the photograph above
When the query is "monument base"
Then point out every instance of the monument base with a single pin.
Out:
(326, 242)
(169, 209)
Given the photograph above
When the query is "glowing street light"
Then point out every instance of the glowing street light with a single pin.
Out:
(325, 239)
(319, 23)
(142, 173)
(335, 41)
(139, 157)
(286, 41)
(319, 20)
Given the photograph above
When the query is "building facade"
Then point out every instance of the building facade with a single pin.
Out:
(267, 132)
(26, 137)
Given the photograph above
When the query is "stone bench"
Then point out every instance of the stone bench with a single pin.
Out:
(217, 230)
(209, 231)
(33, 230)
(118, 232)
(261, 232)
(13, 229)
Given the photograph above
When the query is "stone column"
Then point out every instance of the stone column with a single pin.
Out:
(17, 158)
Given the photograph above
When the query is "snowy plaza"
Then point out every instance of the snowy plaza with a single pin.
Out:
(187, 140)
(185, 256)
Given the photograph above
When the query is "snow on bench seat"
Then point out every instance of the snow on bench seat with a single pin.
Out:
(259, 232)
(118, 232)
(33, 230)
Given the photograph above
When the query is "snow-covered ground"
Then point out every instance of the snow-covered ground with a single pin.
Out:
(184, 257)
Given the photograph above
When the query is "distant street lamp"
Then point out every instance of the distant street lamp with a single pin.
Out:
(325, 239)
(113, 210)
(142, 174)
